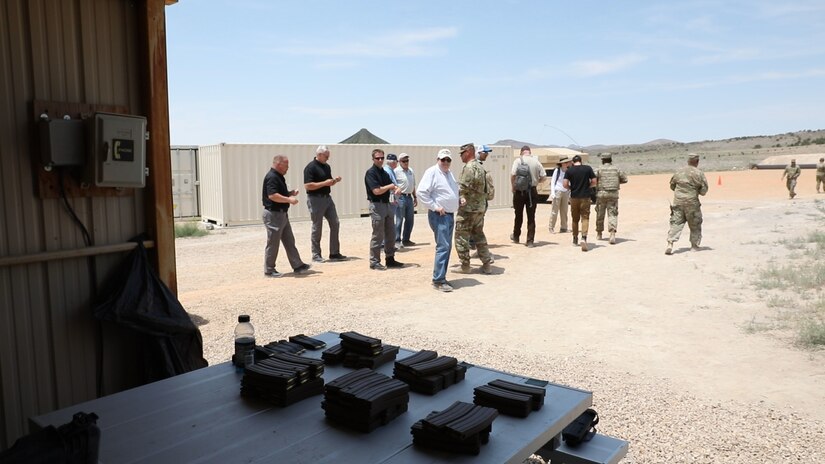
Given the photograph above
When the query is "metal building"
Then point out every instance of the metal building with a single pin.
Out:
(231, 176)
(72, 58)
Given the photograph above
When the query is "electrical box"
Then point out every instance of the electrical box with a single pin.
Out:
(118, 154)
(62, 142)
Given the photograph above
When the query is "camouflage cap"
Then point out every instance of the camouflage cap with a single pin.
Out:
(607, 156)
(693, 157)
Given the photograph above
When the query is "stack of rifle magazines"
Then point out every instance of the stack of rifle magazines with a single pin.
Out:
(426, 372)
(509, 398)
(356, 350)
(461, 428)
(283, 379)
(365, 400)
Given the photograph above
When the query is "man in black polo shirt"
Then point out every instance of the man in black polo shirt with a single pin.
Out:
(379, 186)
(579, 179)
(276, 199)
(317, 182)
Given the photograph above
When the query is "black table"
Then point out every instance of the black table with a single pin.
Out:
(201, 417)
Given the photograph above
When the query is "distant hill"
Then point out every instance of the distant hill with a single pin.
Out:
(661, 155)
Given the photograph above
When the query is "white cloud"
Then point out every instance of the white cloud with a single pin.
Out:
(419, 42)
(599, 67)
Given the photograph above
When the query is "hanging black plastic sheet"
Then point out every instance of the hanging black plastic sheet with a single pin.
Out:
(170, 343)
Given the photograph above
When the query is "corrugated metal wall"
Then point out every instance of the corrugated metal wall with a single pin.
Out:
(232, 175)
(82, 51)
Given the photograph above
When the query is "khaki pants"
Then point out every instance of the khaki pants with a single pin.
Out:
(580, 208)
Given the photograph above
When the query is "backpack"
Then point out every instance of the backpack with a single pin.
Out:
(523, 179)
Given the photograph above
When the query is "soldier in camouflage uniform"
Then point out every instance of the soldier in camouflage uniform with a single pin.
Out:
(608, 179)
(820, 174)
(792, 172)
(687, 184)
(472, 204)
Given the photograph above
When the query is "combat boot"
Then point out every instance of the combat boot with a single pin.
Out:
(584, 243)
(669, 249)
(465, 267)
(575, 240)
(612, 238)
(486, 268)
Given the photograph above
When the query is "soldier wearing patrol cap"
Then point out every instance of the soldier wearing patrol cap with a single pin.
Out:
(608, 179)
(687, 184)
(792, 172)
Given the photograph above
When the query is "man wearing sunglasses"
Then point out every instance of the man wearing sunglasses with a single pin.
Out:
(379, 186)
(405, 213)
(438, 191)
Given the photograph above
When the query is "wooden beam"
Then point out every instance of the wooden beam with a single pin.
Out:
(155, 99)
(68, 254)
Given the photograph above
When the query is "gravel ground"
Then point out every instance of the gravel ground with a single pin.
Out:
(676, 377)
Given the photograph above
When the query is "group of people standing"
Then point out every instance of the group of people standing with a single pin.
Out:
(456, 207)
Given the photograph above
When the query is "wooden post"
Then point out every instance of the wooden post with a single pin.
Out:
(155, 101)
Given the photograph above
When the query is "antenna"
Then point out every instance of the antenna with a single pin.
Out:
(565, 133)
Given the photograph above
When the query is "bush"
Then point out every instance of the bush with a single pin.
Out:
(189, 229)
(757, 146)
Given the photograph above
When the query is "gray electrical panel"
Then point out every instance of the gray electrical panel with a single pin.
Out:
(62, 142)
(118, 152)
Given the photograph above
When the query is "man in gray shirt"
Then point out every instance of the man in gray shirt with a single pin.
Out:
(407, 202)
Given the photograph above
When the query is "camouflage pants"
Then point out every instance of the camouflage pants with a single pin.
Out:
(791, 184)
(607, 203)
(820, 179)
(692, 214)
(470, 226)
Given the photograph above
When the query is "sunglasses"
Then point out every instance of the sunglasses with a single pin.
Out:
(405, 161)
(446, 160)
(381, 158)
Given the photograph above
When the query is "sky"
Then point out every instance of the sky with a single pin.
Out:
(448, 72)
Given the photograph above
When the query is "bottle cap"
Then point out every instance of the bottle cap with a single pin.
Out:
(243, 318)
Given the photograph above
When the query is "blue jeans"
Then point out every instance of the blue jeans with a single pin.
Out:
(442, 227)
(405, 213)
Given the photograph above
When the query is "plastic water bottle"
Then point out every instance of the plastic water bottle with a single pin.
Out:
(244, 342)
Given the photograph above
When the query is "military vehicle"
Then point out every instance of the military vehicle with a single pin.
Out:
(549, 158)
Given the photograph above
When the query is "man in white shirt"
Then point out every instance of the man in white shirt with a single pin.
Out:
(407, 202)
(527, 198)
(559, 195)
(438, 191)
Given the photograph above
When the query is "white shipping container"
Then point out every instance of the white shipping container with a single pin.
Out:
(184, 181)
(231, 176)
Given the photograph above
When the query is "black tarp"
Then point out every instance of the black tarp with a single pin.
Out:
(169, 343)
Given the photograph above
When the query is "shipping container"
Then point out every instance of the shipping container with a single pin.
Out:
(185, 186)
(231, 176)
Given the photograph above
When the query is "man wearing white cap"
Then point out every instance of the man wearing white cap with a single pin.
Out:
(438, 191)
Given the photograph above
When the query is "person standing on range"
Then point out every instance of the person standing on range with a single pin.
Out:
(438, 191)
(687, 184)
(469, 223)
(579, 179)
(792, 172)
(276, 198)
(389, 167)
(608, 180)
(407, 201)
(820, 174)
(525, 175)
(318, 181)
(559, 195)
(379, 186)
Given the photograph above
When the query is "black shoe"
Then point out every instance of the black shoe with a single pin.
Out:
(513, 238)
(302, 268)
(274, 273)
(337, 257)
(393, 264)
(408, 243)
(575, 240)
(378, 267)
(317, 259)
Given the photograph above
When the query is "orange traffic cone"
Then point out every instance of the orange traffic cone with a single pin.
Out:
(719, 181)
